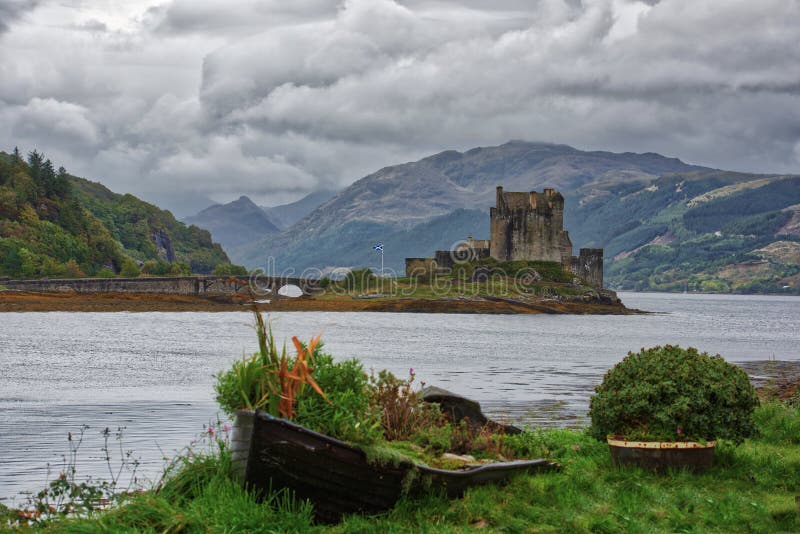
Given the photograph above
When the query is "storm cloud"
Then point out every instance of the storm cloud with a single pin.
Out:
(275, 99)
(11, 10)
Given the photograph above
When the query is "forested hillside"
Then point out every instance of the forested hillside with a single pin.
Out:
(53, 225)
(704, 231)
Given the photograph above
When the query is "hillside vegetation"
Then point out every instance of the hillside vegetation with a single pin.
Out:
(711, 231)
(54, 225)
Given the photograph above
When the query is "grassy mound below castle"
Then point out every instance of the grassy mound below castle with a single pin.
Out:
(524, 281)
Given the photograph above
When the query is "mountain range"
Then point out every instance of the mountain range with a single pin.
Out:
(241, 222)
(664, 224)
(237, 223)
(287, 215)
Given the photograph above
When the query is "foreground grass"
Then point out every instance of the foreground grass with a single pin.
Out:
(752, 488)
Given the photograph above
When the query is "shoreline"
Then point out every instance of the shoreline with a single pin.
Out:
(19, 301)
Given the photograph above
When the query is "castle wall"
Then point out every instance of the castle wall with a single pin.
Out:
(420, 267)
(477, 244)
(444, 259)
(589, 266)
(566, 248)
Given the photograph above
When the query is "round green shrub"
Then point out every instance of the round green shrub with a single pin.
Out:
(674, 394)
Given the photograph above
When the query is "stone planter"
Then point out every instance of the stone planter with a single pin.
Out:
(240, 442)
(662, 455)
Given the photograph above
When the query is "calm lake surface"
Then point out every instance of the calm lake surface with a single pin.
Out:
(152, 373)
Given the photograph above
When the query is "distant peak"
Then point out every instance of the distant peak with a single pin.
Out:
(242, 202)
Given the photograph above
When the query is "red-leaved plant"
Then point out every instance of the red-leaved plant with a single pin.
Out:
(269, 380)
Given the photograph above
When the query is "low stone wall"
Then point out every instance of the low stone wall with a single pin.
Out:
(183, 285)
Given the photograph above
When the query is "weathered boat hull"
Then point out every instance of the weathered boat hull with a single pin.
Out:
(337, 478)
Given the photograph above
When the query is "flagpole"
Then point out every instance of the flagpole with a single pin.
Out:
(381, 262)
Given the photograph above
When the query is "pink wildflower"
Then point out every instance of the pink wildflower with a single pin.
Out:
(226, 428)
(680, 431)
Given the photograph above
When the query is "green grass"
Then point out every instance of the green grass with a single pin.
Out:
(444, 287)
(751, 488)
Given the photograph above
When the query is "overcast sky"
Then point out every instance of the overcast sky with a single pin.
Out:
(276, 98)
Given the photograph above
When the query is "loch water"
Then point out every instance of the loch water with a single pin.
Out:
(152, 373)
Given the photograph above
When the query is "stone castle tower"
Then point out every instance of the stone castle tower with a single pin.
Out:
(529, 226)
(524, 227)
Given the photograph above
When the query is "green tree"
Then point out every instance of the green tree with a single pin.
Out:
(130, 269)
(48, 178)
(229, 269)
(179, 268)
(155, 268)
(9, 208)
(29, 263)
(61, 186)
(105, 272)
(10, 260)
(35, 162)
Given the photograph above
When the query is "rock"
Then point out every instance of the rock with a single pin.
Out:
(458, 408)
(163, 245)
(454, 405)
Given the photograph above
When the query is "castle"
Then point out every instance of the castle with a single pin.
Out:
(523, 226)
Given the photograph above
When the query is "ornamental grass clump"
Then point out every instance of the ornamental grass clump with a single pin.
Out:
(269, 380)
(673, 394)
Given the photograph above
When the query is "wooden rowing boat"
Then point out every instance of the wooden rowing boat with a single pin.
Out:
(337, 478)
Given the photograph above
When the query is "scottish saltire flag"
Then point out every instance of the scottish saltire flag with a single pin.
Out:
(378, 247)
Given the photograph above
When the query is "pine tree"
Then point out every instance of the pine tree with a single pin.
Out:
(35, 162)
(61, 184)
(48, 178)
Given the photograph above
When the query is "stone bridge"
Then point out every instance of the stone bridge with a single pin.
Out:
(262, 286)
(266, 286)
